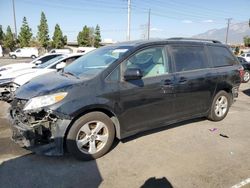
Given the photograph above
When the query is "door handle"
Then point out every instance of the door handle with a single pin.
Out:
(166, 82)
(183, 80)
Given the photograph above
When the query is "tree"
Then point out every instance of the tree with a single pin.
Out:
(1, 34)
(25, 34)
(43, 31)
(97, 36)
(83, 37)
(58, 39)
(9, 41)
(246, 41)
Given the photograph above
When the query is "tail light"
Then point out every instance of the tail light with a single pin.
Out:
(241, 71)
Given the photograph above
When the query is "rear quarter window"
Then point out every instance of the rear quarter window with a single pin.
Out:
(221, 56)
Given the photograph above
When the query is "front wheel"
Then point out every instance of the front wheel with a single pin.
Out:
(91, 136)
(33, 56)
(220, 106)
(246, 76)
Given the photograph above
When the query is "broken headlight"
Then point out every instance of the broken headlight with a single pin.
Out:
(46, 100)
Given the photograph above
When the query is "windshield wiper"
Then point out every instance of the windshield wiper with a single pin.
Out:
(70, 73)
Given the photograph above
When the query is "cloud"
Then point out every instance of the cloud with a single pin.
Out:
(187, 21)
(207, 21)
(155, 29)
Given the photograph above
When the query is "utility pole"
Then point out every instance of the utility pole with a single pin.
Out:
(129, 9)
(228, 25)
(14, 15)
(149, 23)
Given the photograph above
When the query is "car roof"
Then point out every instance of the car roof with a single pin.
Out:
(136, 43)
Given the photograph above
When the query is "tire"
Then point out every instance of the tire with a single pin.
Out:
(84, 141)
(220, 106)
(13, 57)
(246, 76)
(33, 56)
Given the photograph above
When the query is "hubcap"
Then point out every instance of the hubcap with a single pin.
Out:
(92, 137)
(246, 76)
(221, 106)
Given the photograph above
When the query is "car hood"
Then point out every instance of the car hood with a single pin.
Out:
(44, 85)
(15, 73)
(20, 80)
(7, 69)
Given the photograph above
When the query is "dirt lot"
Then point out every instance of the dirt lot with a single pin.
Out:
(183, 155)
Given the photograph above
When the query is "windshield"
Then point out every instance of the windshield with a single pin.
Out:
(50, 62)
(96, 61)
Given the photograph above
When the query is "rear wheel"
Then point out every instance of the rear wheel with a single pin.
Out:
(220, 106)
(13, 57)
(91, 136)
(246, 76)
(33, 56)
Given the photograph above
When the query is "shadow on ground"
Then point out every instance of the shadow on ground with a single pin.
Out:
(157, 183)
(39, 171)
(246, 92)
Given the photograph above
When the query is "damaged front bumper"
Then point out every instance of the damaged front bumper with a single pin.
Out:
(40, 131)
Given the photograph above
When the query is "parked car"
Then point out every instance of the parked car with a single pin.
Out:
(8, 85)
(122, 89)
(85, 49)
(246, 56)
(6, 70)
(24, 52)
(63, 51)
(246, 66)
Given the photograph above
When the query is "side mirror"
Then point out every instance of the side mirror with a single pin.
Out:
(133, 74)
(38, 62)
(60, 65)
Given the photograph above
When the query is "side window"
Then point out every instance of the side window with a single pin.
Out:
(248, 55)
(46, 58)
(151, 61)
(188, 58)
(115, 75)
(221, 56)
(18, 51)
(70, 60)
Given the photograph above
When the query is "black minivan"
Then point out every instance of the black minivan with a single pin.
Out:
(122, 89)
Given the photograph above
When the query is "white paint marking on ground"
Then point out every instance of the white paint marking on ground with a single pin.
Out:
(241, 184)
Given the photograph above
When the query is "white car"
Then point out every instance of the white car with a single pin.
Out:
(246, 56)
(1, 51)
(11, 68)
(24, 52)
(63, 51)
(10, 83)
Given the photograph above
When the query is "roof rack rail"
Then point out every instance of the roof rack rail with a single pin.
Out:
(194, 39)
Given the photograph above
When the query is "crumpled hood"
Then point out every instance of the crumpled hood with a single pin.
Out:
(43, 85)
(20, 80)
(8, 69)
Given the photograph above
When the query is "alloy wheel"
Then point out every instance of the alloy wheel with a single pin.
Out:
(92, 137)
(221, 106)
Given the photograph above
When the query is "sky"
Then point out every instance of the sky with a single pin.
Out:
(169, 18)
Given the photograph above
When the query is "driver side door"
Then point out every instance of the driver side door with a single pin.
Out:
(147, 102)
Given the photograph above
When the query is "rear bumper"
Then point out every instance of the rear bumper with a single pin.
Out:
(41, 139)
